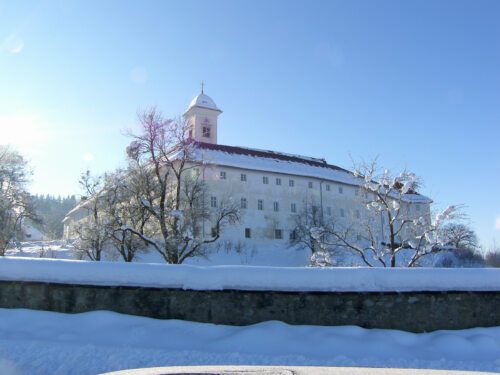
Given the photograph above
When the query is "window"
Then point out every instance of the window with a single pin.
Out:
(265, 180)
(329, 211)
(248, 233)
(243, 203)
(278, 234)
(358, 237)
(358, 214)
(243, 177)
(417, 207)
(341, 190)
(260, 204)
(291, 183)
(214, 232)
(310, 184)
(278, 181)
(293, 235)
(342, 212)
(293, 207)
(327, 187)
(206, 132)
(191, 133)
(213, 202)
(276, 206)
(222, 175)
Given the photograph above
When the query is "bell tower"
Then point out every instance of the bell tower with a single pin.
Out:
(201, 117)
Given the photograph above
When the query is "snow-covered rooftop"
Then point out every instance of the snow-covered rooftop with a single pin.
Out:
(278, 162)
(204, 101)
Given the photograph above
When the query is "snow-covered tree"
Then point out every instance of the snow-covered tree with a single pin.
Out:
(122, 209)
(307, 218)
(387, 227)
(308, 232)
(92, 232)
(171, 190)
(16, 204)
(322, 255)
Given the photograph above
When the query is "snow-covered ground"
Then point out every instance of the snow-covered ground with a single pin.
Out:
(37, 342)
(256, 255)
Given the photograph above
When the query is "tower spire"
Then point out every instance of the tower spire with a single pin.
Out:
(201, 117)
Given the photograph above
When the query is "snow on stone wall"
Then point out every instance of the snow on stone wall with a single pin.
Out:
(249, 278)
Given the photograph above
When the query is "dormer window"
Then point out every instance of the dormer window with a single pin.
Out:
(206, 132)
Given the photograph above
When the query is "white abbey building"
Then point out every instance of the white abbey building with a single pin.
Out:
(272, 187)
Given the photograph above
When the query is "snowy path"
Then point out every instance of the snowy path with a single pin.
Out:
(36, 342)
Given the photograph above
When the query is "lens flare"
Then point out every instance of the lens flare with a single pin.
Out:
(13, 44)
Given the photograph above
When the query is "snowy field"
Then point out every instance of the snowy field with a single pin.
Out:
(37, 342)
(257, 254)
(254, 255)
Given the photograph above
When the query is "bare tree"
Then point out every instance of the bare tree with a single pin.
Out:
(460, 236)
(173, 192)
(386, 225)
(492, 257)
(16, 204)
(462, 245)
(307, 218)
(122, 209)
(92, 231)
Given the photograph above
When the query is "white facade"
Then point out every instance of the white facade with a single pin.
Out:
(73, 219)
(271, 188)
(270, 201)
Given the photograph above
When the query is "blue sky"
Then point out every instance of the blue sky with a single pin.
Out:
(416, 83)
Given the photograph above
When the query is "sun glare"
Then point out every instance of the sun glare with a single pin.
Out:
(88, 156)
(23, 132)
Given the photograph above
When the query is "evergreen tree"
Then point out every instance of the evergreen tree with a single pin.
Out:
(52, 210)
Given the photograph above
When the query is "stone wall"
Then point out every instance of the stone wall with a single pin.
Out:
(409, 311)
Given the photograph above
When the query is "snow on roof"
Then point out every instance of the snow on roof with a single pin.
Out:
(278, 162)
(74, 209)
(80, 205)
(204, 101)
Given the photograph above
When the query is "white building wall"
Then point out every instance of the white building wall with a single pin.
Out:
(338, 200)
(74, 219)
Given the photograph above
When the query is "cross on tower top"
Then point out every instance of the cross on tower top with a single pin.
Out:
(202, 86)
